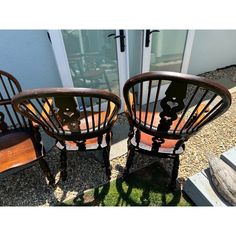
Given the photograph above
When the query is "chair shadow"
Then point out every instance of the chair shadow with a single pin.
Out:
(151, 180)
(28, 187)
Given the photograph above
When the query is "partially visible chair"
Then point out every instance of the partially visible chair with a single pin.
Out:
(79, 119)
(20, 140)
(161, 124)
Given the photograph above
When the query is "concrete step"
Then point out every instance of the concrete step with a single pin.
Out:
(201, 190)
(229, 157)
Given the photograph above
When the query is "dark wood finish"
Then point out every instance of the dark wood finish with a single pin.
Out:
(20, 141)
(161, 127)
(78, 118)
(16, 149)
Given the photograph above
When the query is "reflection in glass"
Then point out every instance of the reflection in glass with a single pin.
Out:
(167, 50)
(92, 59)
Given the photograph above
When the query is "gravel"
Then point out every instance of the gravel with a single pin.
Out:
(29, 187)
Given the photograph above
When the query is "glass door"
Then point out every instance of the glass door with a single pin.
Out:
(92, 58)
(166, 50)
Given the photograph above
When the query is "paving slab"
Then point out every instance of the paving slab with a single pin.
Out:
(229, 157)
(200, 189)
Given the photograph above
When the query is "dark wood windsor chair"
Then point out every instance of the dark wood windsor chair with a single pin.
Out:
(79, 119)
(20, 140)
(161, 124)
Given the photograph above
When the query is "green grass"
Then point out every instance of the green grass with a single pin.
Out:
(146, 187)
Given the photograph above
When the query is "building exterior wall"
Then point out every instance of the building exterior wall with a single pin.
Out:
(212, 49)
(28, 55)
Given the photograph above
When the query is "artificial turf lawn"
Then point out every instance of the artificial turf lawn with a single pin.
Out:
(145, 187)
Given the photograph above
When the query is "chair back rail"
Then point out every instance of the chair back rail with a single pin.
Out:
(69, 113)
(9, 119)
(189, 103)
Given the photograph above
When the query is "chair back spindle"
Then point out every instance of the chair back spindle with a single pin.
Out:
(189, 103)
(70, 114)
(9, 118)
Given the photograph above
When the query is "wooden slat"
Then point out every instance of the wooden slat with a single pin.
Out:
(108, 110)
(91, 104)
(45, 114)
(210, 115)
(148, 100)
(199, 114)
(186, 108)
(85, 113)
(140, 101)
(49, 104)
(194, 110)
(133, 102)
(99, 113)
(155, 103)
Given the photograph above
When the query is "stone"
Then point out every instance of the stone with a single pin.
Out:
(223, 178)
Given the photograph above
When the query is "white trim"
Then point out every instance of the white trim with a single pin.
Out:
(146, 55)
(61, 57)
(187, 51)
(146, 60)
(123, 65)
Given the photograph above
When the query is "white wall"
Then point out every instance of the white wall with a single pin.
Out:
(28, 55)
(212, 49)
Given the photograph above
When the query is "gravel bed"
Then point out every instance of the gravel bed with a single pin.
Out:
(29, 188)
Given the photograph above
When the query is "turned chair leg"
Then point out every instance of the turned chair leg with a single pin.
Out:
(63, 159)
(129, 161)
(106, 156)
(44, 166)
(175, 171)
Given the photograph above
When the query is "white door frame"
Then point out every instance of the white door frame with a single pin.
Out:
(61, 57)
(64, 68)
(187, 51)
(123, 65)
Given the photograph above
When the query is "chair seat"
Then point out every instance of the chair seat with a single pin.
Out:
(166, 147)
(146, 140)
(16, 149)
(91, 143)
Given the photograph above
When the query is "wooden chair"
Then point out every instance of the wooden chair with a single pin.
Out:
(176, 107)
(79, 119)
(20, 141)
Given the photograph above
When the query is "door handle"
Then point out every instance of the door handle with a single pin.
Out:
(147, 39)
(122, 39)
